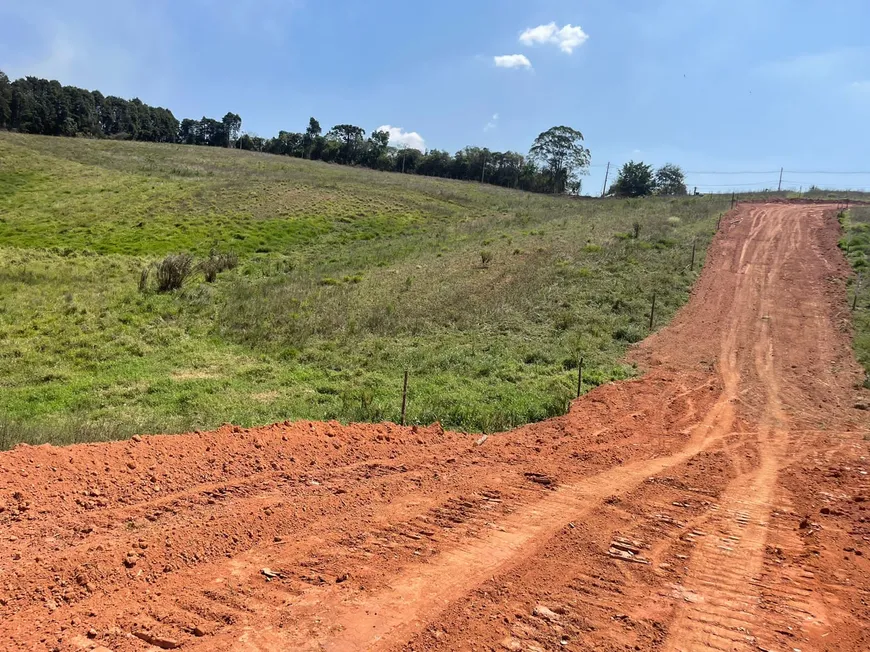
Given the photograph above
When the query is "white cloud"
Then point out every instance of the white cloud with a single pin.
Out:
(567, 37)
(513, 61)
(401, 138)
(861, 86)
(492, 124)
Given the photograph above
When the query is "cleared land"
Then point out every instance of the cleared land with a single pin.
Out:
(716, 503)
(347, 277)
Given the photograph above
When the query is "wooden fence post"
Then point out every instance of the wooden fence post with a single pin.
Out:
(404, 397)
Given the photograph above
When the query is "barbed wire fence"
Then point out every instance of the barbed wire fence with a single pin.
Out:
(752, 181)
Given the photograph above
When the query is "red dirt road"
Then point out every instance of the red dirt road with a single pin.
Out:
(718, 503)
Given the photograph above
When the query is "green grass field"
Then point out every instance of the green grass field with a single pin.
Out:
(346, 278)
(855, 243)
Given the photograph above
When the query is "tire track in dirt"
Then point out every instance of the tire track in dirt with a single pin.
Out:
(734, 592)
(721, 612)
(728, 605)
(394, 614)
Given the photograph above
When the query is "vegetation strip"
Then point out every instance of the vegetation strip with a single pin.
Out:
(855, 243)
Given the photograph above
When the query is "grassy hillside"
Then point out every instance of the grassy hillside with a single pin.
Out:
(346, 278)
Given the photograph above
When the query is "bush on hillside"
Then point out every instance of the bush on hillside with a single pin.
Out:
(216, 263)
(172, 271)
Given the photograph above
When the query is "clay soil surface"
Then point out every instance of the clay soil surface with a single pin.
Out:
(720, 502)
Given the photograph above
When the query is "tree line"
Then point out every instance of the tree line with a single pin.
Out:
(39, 106)
(555, 163)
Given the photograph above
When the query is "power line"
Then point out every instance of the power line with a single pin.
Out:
(825, 172)
(733, 185)
(733, 172)
(738, 172)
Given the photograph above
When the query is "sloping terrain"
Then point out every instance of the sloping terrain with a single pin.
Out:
(345, 278)
(717, 503)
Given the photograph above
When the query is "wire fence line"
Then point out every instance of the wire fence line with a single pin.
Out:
(743, 180)
(617, 166)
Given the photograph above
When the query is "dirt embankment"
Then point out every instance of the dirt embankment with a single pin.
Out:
(716, 503)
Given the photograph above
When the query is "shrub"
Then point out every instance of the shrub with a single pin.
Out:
(143, 279)
(218, 262)
(485, 257)
(172, 271)
(228, 260)
(209, 269)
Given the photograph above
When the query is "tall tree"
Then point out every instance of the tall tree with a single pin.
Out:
(460, 165)
(376, 150)
(311, 134)
(670, 180)
(252, 143)
(209, 132)
(165, 125)
(232, 125)
(287, 143)
(187, 131)
(560, 151)
(407, 160)
(507, 169)
(5, 100)
(634, 180)
(351, 138)
(435, 163)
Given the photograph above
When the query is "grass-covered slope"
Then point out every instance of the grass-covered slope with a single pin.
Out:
(346, 278)
(855, 243)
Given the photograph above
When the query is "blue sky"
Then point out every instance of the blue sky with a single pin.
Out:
(713, 85)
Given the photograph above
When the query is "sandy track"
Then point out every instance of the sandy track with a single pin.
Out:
(664, 513)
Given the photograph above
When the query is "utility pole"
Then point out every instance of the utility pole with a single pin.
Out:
(779, 188)
(403, 161)
(606, 174)
(483, 169)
